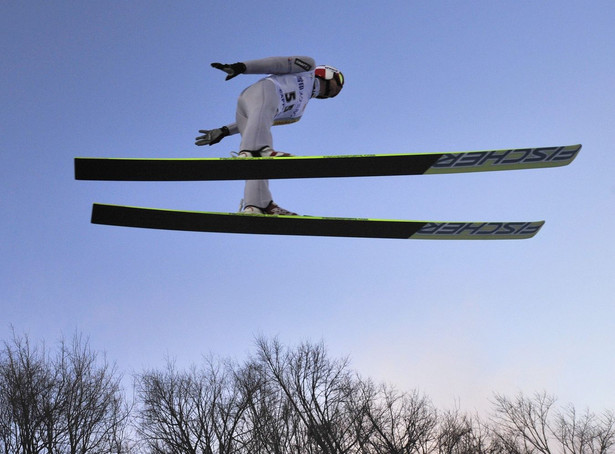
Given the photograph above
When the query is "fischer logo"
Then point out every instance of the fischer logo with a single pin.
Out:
(505, 157)
(480, 228)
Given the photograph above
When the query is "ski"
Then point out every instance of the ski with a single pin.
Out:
(196, 221)
(170, 169)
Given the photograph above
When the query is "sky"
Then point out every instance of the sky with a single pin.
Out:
(458, 321)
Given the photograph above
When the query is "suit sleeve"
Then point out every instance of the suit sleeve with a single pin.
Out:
(232, 129)
(280, 65)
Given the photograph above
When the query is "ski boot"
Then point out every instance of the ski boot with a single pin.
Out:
(265, 152)
(271, 209)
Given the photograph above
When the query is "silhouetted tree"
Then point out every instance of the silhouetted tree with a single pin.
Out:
(320, 391)
(68, 403)
(281, 400)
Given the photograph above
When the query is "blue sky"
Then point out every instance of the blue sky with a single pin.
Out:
(456, 320)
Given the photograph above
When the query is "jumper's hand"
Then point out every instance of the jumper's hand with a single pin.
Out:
(231, 70)
(211, 136)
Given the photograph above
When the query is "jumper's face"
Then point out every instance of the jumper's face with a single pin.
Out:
(329, 88)
(334, 88)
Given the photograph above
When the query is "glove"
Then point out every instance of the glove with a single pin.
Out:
(232, 70)
(211, 136)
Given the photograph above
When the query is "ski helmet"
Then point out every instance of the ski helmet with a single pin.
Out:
(328, 73)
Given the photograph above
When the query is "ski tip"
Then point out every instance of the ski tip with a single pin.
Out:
(575, 148)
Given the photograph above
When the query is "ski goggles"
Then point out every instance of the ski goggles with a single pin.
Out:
(329, 73)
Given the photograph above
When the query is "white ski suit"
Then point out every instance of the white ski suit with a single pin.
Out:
(279, 98)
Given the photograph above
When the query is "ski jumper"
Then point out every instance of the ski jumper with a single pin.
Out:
(279, 98)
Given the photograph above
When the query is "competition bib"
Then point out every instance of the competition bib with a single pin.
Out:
(294, 91)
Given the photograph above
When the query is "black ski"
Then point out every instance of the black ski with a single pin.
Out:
(196, 221)
(136, 169)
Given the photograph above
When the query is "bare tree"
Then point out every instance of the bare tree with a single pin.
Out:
(460, 433)
(604, 439)
(281, 401)
(529, 425)
(585, 433)
(229, 405)
(455, 431)
(25, 386)
(401, 423)
(68, 404)
(175, 414)
(363, 406)
(270, 423)
(523, 424)
(319, 389)
(93, 409)
(200, 411)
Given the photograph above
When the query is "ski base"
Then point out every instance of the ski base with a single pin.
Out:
(138, 169)
(196, 221)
